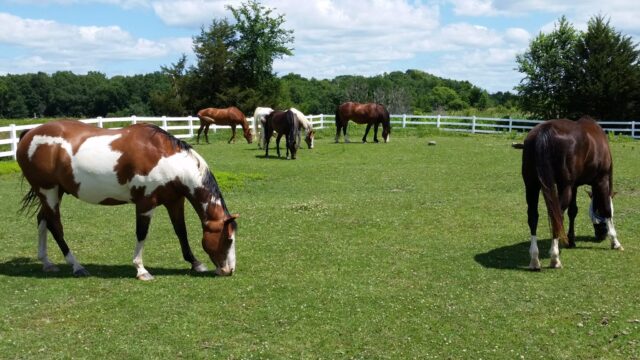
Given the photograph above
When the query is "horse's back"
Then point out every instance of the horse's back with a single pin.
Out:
(226, 116)
(362, 113)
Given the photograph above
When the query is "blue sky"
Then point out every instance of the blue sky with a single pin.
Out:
(474, 40)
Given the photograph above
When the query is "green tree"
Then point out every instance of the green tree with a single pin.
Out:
(548, 66)
(609, 73)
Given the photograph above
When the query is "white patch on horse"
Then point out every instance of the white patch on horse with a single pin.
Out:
(52, 196)
(48, 140)
(229, 265)
(148, 213)
(180, 166)
(94, 169)
(554, 254)
(43, 255)
(71, 260)
(142, 273)
(533, 252)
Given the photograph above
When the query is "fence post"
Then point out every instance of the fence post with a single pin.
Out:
(473, 124)
(321, 121)
(633, 129)
(438, 121)
(190, 120)
(134, 120)
(99, 121)
(404, 120)
(510, 125)
(164, 122)
(14, 141)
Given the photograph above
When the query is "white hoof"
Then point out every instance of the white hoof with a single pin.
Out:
(145, 277)
(199, 268)
(555, 264)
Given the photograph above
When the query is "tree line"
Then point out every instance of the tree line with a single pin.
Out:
(570, 73)
(567, 73)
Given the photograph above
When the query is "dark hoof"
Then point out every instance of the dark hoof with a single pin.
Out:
(571, 245)
(82, 272)
(535, 269)
(376, 141)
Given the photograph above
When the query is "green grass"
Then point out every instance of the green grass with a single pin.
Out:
(397, 250)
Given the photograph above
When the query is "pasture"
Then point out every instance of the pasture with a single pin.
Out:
(397, 250)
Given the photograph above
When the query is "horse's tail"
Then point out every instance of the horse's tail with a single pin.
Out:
(30, 203)
(544, 153)
(338, 120)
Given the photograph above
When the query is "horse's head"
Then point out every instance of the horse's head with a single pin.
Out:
(600, 224)
(248, 135)
(218, 241)
(309, 138)
(386, 132)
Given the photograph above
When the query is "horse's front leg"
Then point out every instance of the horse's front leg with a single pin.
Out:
(202, 126)
(50, 213)
(366, 132)
(375, 132)
(176, 214)
(143, 219)
(572, 212)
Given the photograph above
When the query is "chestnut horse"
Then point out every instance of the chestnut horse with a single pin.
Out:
(370, 114)
(283, 123)
(231, 116)
(140, 164)
(558, 156)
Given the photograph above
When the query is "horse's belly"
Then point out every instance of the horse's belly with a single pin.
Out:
(94, 169)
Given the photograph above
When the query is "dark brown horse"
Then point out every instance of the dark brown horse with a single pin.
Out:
(283, 123)
(140, 164)
(231, 116)
(558, 156)
(370, 114)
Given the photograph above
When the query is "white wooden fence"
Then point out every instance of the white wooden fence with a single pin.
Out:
(187, 127)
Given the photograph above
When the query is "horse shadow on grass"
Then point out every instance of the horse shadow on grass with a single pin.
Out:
(31, 268)
(516, 256)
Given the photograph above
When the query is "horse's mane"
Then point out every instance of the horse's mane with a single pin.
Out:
(174, 140)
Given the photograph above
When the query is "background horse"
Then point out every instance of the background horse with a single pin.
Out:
(284, 123)
(304, 123)
(370, 114)
(558, 156)
(231, 116)
(259, 120)
(140, 164)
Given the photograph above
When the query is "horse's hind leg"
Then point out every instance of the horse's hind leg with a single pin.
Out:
(533, 194)
(337, 133)
(50, 212)
(47, 265)
(143, 219)
(176, 214)
(278, 145)
(344, 132)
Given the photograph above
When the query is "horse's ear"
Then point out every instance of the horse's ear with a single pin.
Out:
(589, 193)
(231, 218)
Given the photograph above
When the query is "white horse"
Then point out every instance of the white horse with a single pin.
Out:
(304, 123)
(259, 119)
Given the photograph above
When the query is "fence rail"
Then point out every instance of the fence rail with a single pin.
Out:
(186, 127)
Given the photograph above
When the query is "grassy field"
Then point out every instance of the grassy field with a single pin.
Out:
(397, 250)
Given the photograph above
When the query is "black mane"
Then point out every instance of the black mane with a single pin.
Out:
(174, 140)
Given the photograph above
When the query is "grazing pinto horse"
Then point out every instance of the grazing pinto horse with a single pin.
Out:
(370, 114)
(284, 123)
(304, 123)
(558, 156)
(140, 164)
(231, 116)
(259, 119)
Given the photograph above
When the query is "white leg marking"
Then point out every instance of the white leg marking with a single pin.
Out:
(52, 197)
(47, 265)
(615, 244)
(554, 254)
(77, 268)
(148, 213)
(533, 252)
(142, 273)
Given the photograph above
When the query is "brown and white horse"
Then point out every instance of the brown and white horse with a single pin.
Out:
(283, 123)
(370, 114)
(260, 116)
(231, 116)
(140, 164)
(558, 156)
